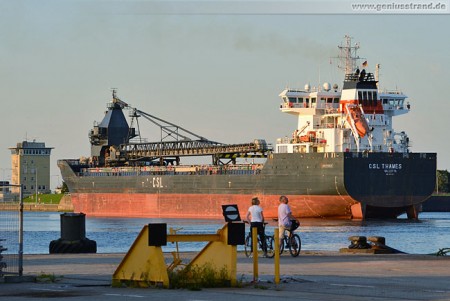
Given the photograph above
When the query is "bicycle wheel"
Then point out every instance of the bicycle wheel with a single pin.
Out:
(282, 246)
(248, 246)
(295, 245)
(270, 244)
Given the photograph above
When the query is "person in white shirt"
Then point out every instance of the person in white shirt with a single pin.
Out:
(255, 217)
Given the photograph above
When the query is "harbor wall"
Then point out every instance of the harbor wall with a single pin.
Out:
(65, 205)
(437, 203)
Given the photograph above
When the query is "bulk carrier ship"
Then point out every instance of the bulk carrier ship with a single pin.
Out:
(342, 160)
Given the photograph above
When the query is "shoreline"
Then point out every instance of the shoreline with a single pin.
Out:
(36, 208)
(65, 205)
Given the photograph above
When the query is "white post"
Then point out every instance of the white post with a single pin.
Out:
(36, 188)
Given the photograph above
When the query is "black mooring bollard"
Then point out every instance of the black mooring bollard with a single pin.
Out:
(73, 236)
(73, 226)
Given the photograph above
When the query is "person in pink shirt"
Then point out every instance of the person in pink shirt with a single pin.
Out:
(285, 217)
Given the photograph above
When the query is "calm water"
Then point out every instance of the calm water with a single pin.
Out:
(115, 235)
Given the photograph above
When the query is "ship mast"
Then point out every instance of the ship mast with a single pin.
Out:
(347, 55)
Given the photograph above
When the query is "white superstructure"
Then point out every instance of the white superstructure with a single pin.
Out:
(356, 118)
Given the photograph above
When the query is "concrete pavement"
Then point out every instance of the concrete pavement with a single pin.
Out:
(311, 276)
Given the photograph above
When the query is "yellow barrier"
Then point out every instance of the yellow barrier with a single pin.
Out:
(255, 254)
(277, 255)
(144, 265)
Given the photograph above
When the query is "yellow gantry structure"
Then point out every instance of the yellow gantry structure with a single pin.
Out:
(144, 265)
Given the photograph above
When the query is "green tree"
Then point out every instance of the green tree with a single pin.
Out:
(64, 188)
(442, 181)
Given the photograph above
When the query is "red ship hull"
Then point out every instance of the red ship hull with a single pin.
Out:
(205, 206)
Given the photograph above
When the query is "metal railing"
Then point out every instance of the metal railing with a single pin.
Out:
(11, 233)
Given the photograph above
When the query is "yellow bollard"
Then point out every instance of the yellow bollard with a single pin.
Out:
(255, 253)
(277, 255)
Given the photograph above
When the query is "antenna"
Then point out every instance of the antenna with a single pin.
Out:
(114, 90)
(348, 55)
(377, 73)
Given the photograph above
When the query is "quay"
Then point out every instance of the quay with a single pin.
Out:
(314, 275)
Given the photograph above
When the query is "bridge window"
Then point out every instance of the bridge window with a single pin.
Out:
(369, 96)
(360, 98)
(336, 100)
(292, 99)
(282, 149)
(300, 100)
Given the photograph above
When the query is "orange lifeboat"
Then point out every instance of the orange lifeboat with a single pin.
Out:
(309, 137)
(360, 122)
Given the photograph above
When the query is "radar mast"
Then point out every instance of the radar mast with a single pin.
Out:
(348, 55)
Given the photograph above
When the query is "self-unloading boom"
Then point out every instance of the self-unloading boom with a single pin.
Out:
(112, 144)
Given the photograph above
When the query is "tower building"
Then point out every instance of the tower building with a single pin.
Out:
(30, 163)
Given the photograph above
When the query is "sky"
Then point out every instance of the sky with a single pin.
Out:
(211, 68)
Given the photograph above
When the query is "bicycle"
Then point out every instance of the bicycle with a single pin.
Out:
(292, 241)
(269, 243)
